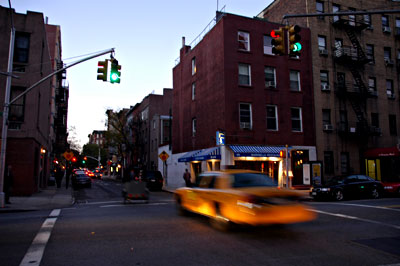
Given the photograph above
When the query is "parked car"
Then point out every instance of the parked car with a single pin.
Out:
(154, 180)
(97, 173)
(392, 188)
(241, 197)
(352, 186)
(80, 179)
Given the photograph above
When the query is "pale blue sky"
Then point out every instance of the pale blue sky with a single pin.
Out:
(146, 35)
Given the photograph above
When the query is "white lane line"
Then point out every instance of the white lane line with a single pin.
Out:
(356, 218)
(365, 206)
(35, 252)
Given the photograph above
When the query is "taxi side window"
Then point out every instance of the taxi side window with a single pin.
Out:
(352, 179)
(207, 181)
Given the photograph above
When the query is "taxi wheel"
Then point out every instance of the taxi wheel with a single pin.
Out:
(219, 222)
(180, 209)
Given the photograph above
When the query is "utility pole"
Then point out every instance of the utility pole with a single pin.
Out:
(7, 103)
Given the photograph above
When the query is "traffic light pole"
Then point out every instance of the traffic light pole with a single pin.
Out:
(7, 103)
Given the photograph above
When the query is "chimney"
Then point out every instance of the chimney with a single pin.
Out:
(183, 41)
(47, 20)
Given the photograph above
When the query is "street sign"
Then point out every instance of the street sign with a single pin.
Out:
(68, 155)
(163, 156)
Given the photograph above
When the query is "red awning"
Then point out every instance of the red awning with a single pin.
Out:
(382, 152)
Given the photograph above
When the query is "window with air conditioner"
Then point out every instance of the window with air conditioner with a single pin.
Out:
(270, 77)
(245, 116)
(324, 77)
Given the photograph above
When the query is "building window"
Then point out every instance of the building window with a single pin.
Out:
(245, 116)
(272, 117)
(392, 125)
(296, 118)
(244, 75)
(320, 7)
(322, 43)
(328, 162)
(389, 88)
(397, 32)
(367, 20)
(270, 77)
(326, 117)
(352, 18)
(375, 120)
(344, 163)
(385, 21)
(324, 77)
(295, 80)
(267, 45)
(370, 52)
(372, 85)
(335, 8)
(194, 68)
(244, 41)
(17, 109)
(343, 122)
(21, 47)
(387, 53)
(193, 91)
(194, 127)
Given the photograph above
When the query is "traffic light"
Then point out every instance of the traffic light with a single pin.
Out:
(282, 153)
(102, 70)
(73, 159)
(115, 73)
(278, 41)
(294, 40)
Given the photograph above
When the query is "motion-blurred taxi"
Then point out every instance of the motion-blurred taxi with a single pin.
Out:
(242, 197)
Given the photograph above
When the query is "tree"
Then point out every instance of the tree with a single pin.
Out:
(93, 151)
(73, 139)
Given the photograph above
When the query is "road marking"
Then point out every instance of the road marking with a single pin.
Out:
(356, 218)
(134, 203)
(35, 252)
(368, 206)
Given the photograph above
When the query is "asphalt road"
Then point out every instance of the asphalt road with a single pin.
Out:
(100, 230)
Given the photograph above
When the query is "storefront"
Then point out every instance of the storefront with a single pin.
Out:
(271, 160)
(383, 164)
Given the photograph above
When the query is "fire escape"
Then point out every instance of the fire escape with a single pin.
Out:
(353, 58)
(61, 100)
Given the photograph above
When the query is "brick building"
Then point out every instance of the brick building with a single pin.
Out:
(356, 69)
(31, 133)
(230, 82)
(149, 122)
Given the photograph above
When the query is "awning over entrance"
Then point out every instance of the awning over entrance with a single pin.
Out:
(382, 152)
(201, 155)
(256, 151)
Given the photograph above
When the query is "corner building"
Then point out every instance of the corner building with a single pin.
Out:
(356, 63)
(230, 82)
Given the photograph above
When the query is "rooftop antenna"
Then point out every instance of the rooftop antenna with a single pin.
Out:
(217, 5)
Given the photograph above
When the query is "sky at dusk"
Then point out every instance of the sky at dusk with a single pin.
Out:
(146, 35)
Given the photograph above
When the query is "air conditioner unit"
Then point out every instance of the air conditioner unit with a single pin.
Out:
(270, 84)
(245, 125)
(325, 87)
(328, 127)
(388, 61)
(372, 92)
(323, 51)
(391, 96)
(386, 29)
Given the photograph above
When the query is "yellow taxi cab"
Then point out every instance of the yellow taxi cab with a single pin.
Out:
(242, 197)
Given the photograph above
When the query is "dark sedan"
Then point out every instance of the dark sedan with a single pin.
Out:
(81, 179)
(154, 180)
(352, 186)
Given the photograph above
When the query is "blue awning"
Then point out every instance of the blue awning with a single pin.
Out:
(256, 151)
(201, 155)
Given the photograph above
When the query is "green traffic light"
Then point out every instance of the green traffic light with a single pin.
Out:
(114, 77)
(297, 47)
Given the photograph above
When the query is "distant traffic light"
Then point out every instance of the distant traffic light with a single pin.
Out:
(294, 40)
(278, 41)
(73, 159)
(102, 70)
(115, 73)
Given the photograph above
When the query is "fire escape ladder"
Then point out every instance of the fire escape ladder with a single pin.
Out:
(356, 44)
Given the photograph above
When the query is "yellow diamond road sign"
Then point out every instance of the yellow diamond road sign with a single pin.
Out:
(163, 156)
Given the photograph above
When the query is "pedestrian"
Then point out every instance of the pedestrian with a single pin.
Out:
(67, 176)
(59, 176)
(186, 177)
(8, 183)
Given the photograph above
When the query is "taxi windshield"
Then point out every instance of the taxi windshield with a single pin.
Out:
(252, 180)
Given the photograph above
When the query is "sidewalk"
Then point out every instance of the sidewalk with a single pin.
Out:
(46, 199)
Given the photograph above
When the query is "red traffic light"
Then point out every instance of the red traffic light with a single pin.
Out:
(73, 159)
(274, 34)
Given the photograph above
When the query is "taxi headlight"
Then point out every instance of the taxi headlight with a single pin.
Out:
(388, 187)
(325, 189)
